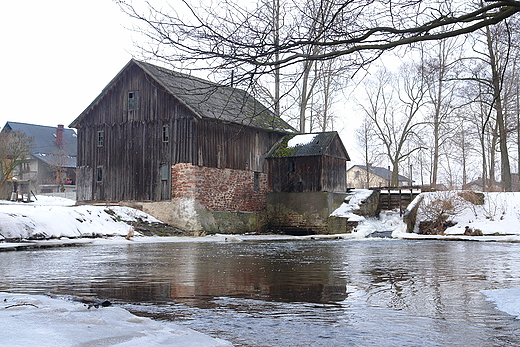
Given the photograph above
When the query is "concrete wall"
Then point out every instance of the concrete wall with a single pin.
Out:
(303, 212)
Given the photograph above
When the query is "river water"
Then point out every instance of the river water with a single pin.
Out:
(371, 292)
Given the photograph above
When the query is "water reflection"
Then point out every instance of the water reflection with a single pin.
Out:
(319, 293)
(183, 272)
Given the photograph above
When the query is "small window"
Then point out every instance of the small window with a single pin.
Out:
(100, 138)
(133, 100)
(257, 182)
(99, 174)
(165, 133)
(292, 167)
(26, 167)
(165, 172)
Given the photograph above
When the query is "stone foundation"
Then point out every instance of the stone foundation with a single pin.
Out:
(212, 200)
(304, 212)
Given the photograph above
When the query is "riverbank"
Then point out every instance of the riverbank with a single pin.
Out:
(49, 222)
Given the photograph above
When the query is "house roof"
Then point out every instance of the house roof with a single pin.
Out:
(57, 160)
(381, 172)
(44, 139)
(206, 99)
(305, 145)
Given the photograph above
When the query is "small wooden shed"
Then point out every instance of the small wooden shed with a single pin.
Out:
(308, 163)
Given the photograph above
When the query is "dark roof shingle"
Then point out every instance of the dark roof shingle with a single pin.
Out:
(305, 145)
(44, 138)
(205, 99)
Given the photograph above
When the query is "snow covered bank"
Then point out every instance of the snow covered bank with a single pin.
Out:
(37, 320)
(56, 217)
(497, 214)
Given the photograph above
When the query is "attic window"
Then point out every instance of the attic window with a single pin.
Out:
(100, 138)
(133, 100)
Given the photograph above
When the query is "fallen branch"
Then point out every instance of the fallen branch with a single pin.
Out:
(23, 304)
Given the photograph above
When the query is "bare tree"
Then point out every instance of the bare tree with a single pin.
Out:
(14, 150)
(365, 136)
(492, 69)
(396, 124)
(439, 62)
(235, 34)
(247, 41)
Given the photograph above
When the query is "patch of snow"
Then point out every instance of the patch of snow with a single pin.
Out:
(43, 200)
(37, 320)
(352, 203)
(300, 140)
(51, 217)
(505, 300)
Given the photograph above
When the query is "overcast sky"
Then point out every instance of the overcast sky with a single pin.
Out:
(56, 57)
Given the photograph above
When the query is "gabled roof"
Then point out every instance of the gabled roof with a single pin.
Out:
(205, 99)
(44, 138)
(381, 172)
(306, 145)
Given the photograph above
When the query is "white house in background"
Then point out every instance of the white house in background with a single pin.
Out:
(51, 165)
(377, 177)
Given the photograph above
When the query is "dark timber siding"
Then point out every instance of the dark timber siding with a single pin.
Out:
(307, 174)
(334, 175)
(224, 145)
(295, 174)
(133, 152)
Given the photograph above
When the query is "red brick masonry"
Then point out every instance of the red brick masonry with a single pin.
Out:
(220, 189)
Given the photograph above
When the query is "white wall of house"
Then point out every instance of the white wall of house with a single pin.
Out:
(357, 178)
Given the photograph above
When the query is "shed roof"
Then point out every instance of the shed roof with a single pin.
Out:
(44, 138)
(306, 145)
(206, 99)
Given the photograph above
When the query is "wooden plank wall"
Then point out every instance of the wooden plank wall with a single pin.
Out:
(133, 150)
(295, 174)
(334, 174)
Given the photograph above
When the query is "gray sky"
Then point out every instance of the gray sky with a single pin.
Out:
(56, 57)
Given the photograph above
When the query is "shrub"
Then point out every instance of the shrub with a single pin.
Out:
(436, 215)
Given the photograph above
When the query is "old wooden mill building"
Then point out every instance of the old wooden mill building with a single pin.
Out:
(195, 154)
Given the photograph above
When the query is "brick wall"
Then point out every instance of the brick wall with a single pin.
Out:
(220, 189)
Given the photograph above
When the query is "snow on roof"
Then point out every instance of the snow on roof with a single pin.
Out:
(301, 140)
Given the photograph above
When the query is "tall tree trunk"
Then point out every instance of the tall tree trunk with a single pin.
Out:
(505, 169)
(395, 173)
(464, 169)
(276, 24)
(304, 98)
